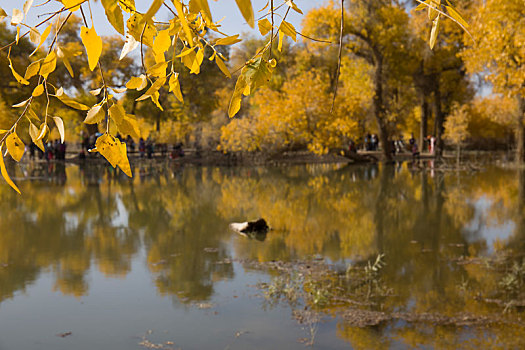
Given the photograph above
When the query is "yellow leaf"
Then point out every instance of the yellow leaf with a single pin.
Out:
(118, 90)
(123, 164)
(72, 103)
(42, 131)
(17, 76)
(205, 9)
(128, 5)
(114, 15)
(153, 9)
(31, 115)
(95, 92)
(34, 36)
(95, 115)
(43, 38)
(117, 113)
(264, 26)
(27, 6)
(184, 22)
(39, 90)
(136, 25)
(17, 17)
(235, 102)
(65, 54)
(186, 51)
(20, 104)
(222, 67)
(230, 40)
(3, 14)
(158, 69)
(4, 172)
(128, 126)
(15, 146)
(32, 70)
(434, 32)
(114, 151)
(288, 29)
(153, 89)
(93, 44)
(175, 87)
(72, 5)
(155, 98)
(49, 64)
(281, 39)
(130, 45)
(455, 14)
(33, 132)
(422, 6)
(294, 6)
(60, 126)
(138, 83)
(247, 11)
(432, 13)
(196, 64)
(162, 42)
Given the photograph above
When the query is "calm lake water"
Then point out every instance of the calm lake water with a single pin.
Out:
(150, 261)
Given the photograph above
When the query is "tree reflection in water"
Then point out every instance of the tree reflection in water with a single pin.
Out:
(71, 219)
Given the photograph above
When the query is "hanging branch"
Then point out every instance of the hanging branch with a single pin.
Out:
(340, 53)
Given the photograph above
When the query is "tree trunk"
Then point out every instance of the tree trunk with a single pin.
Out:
(379, 108)
(438, 125)
(520, 137)
(458, 155)
(424, 122)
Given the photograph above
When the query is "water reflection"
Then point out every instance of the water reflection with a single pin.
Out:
(72, 219)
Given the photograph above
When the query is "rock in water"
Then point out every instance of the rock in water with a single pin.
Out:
(252, 229)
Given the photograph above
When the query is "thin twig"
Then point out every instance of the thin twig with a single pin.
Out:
(339, 55)
(448, 16)
(24, 35)
(313, 39)
(141, 46)
(271, 35)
